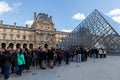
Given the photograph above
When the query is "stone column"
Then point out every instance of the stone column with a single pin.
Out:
(28, 45)
(7, 44)
(1, 22)
(14, 46)
(21, 45)
(0, 45)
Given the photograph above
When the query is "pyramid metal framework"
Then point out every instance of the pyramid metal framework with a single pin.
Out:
(97, 30)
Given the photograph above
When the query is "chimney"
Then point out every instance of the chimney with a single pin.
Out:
(14, 24)
(1, 22)
(51, 17)
(35, 16)
(47, 15)
(26, 25)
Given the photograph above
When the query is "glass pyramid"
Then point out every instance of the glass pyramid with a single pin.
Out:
(97, 30)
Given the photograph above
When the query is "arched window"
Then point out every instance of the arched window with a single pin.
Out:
(18, 45)
(11, 45)
(3, 45)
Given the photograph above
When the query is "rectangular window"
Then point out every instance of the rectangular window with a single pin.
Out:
(18, 31)
(4, 30)
(24, 31)
(44, 28)
(11, 37)
(11, 30)
(4, 37)
(24, 37)
(30, 38)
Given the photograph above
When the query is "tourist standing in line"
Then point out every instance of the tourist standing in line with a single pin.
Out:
(16, 68)
(14, 61)
(39, 55)
(51, 58)
(86, 54)
(43, 56)
(67, 56)
(104, 53)
(55, 57)
(101, 52)
(78, 52)
(34, 57)
(59, 56)
(7, 63)
(96, 52)
(82, 54)
(21, 61)
(28, 59)
(2, 61)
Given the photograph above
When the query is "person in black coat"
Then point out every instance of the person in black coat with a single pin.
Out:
(96, 52)
(7, 63)
(2, 60)
(43, 58)
(39, 53)
(86, 54)
(67, 55)
(51, 57)
(28, 59)
(14, 61)
(2, 57)
(59, 56)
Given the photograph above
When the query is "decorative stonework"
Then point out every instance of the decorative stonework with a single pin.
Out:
(41, 32)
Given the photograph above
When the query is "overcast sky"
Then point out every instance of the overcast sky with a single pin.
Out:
(67, 14)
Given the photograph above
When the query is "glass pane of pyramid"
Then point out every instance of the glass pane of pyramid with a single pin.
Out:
(97, 30)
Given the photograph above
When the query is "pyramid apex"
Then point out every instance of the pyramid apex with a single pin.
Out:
(96, 10)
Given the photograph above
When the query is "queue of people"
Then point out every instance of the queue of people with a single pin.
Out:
(19, 60)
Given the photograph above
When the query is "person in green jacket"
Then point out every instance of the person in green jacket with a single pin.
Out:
(21, 61)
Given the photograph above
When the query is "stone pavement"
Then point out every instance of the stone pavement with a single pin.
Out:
(93, 69)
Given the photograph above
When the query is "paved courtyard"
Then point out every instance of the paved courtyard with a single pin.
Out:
(93, 69)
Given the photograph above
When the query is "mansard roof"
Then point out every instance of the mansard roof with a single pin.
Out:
(45, 17)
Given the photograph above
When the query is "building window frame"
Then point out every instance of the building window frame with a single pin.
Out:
(4, 30)
(11, 30)
(11, 37)
(4, 37)
(18, 31)
(24, 37)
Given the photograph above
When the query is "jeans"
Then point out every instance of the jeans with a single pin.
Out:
(67, 60)
(6, 71)
(16, 69)
(20, 70)
(83, 57)
(79, 58)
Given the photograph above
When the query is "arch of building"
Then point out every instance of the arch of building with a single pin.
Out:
(30, 46)
(24, 45)
(4, 45)
(11, 45)
(18, 45)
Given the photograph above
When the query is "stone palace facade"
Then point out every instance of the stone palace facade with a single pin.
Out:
(40, 33)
